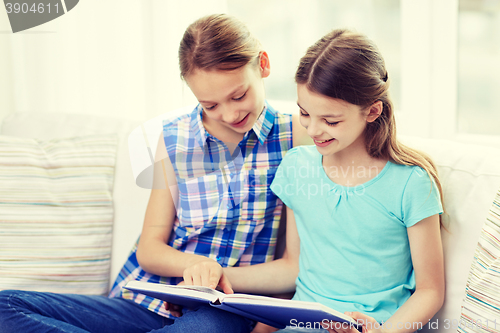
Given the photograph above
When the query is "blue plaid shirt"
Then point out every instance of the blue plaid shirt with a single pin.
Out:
(225, 209)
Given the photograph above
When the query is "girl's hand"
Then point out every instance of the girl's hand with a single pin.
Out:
(370, 325)
(263, 328)
(175, 310)
(207, 273)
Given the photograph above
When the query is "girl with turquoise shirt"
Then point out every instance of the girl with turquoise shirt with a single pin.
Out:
(363, 210)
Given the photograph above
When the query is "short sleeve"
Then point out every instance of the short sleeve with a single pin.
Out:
(284, 180)
(421, 198)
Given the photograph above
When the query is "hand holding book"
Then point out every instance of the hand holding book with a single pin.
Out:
(174, 309)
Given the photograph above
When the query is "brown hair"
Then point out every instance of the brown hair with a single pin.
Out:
(218, 42)
(348, 66)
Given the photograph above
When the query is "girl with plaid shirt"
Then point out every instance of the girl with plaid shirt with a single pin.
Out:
(215, 209)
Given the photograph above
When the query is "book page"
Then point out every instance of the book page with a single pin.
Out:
(171, 292)
(206, 290)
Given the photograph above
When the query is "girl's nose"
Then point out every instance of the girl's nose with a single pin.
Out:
(313, 130)
(230, 115)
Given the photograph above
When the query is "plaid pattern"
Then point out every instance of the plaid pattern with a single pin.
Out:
(225, 208)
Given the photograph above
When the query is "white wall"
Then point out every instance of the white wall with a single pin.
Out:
(114, 58)
(119, 57)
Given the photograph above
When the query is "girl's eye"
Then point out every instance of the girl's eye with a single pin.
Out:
(331, 124)
(240, 98)
(209, 107)
(303, 114)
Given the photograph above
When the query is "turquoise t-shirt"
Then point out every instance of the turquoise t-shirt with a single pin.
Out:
(354, 248)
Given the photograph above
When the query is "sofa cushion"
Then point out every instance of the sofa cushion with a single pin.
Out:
(480, 309)
(56, 213)
(129, 200)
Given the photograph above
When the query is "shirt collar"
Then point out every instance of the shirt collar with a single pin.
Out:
(261, 127)
(200, 132)
(264, 123)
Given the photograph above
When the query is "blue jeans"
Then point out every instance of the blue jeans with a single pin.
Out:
(28, 311)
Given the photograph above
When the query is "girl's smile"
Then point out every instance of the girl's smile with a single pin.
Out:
(241, 123)
(323, 143)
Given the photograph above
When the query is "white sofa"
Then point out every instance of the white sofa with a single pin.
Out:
(470, 175)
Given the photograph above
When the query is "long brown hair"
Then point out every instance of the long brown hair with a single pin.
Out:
(219, 42)
(348, 66)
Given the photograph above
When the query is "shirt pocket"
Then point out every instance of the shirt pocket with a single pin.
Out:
(260, 201)
(199, 201)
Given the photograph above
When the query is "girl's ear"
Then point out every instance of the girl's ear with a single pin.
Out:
(374, 111)
(264, 65)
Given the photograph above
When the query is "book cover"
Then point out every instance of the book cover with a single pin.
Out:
(275, 312)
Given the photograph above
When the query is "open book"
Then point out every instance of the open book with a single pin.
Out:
(275, 312)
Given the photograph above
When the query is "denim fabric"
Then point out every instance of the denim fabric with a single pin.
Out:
(28, 311)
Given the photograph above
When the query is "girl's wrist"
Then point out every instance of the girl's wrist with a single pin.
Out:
(197, 259)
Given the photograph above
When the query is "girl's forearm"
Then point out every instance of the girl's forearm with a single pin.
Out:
(161, 259)
(416, 312)
(273, 277)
